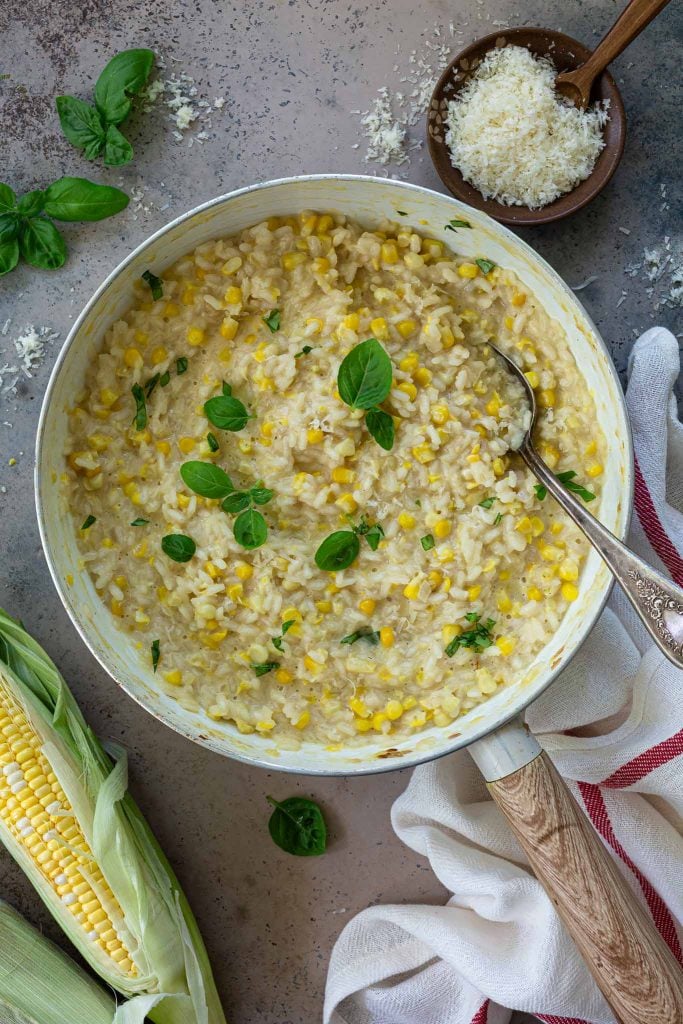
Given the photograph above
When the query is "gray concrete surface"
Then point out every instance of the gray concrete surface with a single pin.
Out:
(291, 73)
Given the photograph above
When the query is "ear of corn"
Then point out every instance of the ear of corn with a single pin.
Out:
(39, 983)
(68, 820)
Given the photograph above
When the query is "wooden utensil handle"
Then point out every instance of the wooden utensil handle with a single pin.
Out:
(628, 25)
(631, 963)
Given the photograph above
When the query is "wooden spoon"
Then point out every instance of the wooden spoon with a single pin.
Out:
(576, 85)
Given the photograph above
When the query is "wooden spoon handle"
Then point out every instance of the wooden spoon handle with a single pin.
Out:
(631, 963)
(628, 25)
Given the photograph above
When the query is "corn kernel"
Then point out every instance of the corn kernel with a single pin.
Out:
(493, 405)
(108, 397)
(214, 572)
(432, 247)
(393, 710)
(595, 469)
(362, 724)
(379, 328)
(546, 399)
(518, 299)
(442, 528)
(557, 527)
(321, 265)
(324, 607)
(412, 590)
(524, 525)
(132, 358)
(533, 378)
(187, 298)
(303, 720)
(229, 328)
(389, 252)
(342, 475)
(568, 570)
(474, 592)
(314, 436)
(408, 389)
(358, 707)
(314, 325)
(325, 222)
(534, 594)
(537, 526)
(590, 449)
(569, 591)
(468, 270)
(142, 337)
(550, 553)
(423, 376)
(158, 355)
(291, 260)
(503, 601)
(175, 677)
(405, 328)
(378, 720)
(283, 677)
(347, 503)
(196, 335)
(234, 591)
(233, 295)
(449, 633)
(311, 665)
(506, 645)
(550, 455)
(292, 613)
(406, 521)
(447, 338)
(182, 500)
(386, 636)
(367, 606)
(352, 321)
(424, 453)
(171, 309)
(116, 607)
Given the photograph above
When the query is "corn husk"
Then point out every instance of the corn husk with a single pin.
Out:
(174, 983)
(39, 984)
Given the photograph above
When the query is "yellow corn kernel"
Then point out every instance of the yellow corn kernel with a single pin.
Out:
(132, 358)
(568, 570)
(314, 325)
(550, 553)
(325, 222)
(506, 645)
(503, 601)
(537, 526)
(474, 592)
(557, 527)
(229, 328)
(408, 389)
(524, 525)
(283, 677)
(474, 454)
(378, 720)
(140, 550)
(393, 710)
(442, 528)
(590, 449)
(352, 321)
(347, 503)
(314, 436)
(550, 455)
(534, 594)
(243, 571)
(292, 613)
(546, 398)
(412, 590)
(386, 636)
(447, 338)
(320, 265)
(440, 414)
(449, 633)
(175, 677)
(186, 445)
(225, 355)
(359, 707)
(406, 521)
(362, 724)
(595, 469)
(468, 270)
(423, 376)
(108, 397)
(389, 252)
(100, 442)
(518, 299)
(432, 247)
(234, 591)
(311, 665)
(182, 500)
(214, 572)
(233, 295)
(187, 298)
(424, 453)
(196, 335)
(342, 475)
(569, 591)
(303, 720)
(158, 355)
(291, 260)
(116, 608)
(367, 606)
(171, 309)
(509, 322)
(379, 328)
(533, 378)
(324, 607)
(405, 328)
(498, 466)
(493, 405)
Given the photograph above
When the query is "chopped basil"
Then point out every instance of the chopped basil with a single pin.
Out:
(499, 516)
(250, 529)
(265, 666)
(226, 413)
(373, 534)
(87, 522)
(164, 379)
(140, 418)
(272, 321)
(486, 266)
(297, 826)
(206, 479)
(566, 478)
(155, 654)
(457, 223)
(277, 640)
(151, 384)
(178, 547)
(212, 442)
(304, 351)
(402, 213)
(226, 389)
(338, 551)
(181, 365)
(477, 637)
(371, 635)
(155, 283)
(139, 522)
(487, 502)
(427, 542)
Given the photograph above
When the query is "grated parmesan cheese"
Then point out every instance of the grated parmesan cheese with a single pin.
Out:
(30, 350)
(514, 138)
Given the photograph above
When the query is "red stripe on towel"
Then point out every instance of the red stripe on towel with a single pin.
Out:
(644, 763)
(482, 1014)
(654, 531)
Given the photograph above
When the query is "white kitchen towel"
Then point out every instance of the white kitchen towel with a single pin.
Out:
(498, 944)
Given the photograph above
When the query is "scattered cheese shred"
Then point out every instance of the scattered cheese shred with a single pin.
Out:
(513, 137)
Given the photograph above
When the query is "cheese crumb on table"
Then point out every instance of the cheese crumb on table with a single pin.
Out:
(514, 138)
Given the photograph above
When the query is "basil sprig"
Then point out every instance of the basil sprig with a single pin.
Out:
(277, 640)
(94, 128)
(210, 481)
(297, 826)
(566, 478)
(226, 412)
(364, 381)
(178, 547)
(478, 636)
(341, 548)
(26, 228)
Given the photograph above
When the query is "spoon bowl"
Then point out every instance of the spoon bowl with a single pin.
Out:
(567, 54)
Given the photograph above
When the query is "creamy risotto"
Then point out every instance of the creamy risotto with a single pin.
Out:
(217, 448)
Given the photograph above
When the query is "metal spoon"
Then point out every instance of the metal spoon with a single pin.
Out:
(657, 601)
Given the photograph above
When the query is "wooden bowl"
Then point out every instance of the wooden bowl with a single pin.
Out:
(567, 54)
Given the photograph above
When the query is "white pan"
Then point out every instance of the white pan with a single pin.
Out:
(630, 962)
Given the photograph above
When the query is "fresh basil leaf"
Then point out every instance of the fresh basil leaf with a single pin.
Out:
(88, 522)
(140, 418)
(155, 283)
(250, 529)
(297, 826)
(32, 203)
(566, 478)
(81, 124)
(139, 522)
(381, 426)
(261, 495)
(123, 77)
(265, 667)
(117, 148)
(41, 244)
(212, 442)
(371, 635)
(154, 647)
(75, 199)
(365, 374)
(226, 413)
(478, 636)
(486, 266)
(226, 389)
(150, 384)
(165, 379)
(9, 255)
(178, 547)
(206, 479)
(374, 535)
(402, 213)
(541, 491)
(337, 551)
(277, 643)
(272, 321)
(454, 224)
(9, 227)
(487, 502)
(304, 351)
(499, 516)
(237, 502)
(427, 541)
(8, 199)
(181, 365)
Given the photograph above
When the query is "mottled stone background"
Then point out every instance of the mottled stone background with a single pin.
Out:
(291, 73)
